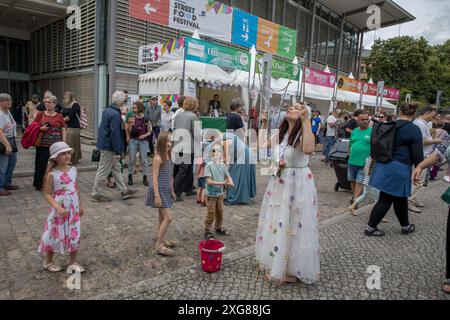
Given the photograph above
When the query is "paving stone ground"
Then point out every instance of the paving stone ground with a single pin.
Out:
(411, 266)
(118, 241)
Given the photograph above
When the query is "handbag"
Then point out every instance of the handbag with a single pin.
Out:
(446, 196)
(96, 154)
(12, 142)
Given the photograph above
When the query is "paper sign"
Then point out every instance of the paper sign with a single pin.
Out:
(161, 52)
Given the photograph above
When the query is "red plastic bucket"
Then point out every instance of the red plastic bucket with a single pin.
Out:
(211, 255)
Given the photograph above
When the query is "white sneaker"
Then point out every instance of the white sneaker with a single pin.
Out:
(447, 179)
(413, 208)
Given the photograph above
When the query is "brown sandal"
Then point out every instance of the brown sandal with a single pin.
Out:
(162, 250)
(53, 268)
(170, 243)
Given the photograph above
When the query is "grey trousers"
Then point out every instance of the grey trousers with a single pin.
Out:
(106, 166)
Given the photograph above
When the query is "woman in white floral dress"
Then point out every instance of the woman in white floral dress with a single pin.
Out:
(287, 241)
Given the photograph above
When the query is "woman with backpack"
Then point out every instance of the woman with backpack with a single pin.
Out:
(393, 176)
(138, 129)
(72, 114)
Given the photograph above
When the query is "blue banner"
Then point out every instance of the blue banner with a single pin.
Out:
(245, 28)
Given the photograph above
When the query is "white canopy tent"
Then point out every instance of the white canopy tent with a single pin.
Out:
(167, 78)
(278, 85)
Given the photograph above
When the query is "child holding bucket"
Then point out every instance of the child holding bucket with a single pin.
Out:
(160, 192)
(217, 178)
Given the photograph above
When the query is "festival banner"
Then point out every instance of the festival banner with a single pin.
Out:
(211, 53)
(280, 68)
(285, 70)
(155, 11)
(287, 42)
(348, 84)
(267, 36)
(320, 78)
(210, 18)
(389, 93)
(245, 28)
(162, 52)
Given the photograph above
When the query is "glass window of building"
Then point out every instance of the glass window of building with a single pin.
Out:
(303, 31)
(263, 9)
(290, 18)
(18, 56)
(3, 55)
(323, 42)
(279, 11)
(244, 5)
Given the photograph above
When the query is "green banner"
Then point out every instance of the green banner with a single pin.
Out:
(286, 70)
(211, 53)
(287, 42)
(282, 69)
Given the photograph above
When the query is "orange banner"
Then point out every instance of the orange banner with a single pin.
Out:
(267, 36)
(348, 84)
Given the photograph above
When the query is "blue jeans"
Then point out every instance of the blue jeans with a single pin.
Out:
(329, 142)
(133, 147)
(7, 166)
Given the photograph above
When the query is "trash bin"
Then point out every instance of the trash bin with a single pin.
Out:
(211, 255)
(338, 156)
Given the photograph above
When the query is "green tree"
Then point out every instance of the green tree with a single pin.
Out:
(413, 66)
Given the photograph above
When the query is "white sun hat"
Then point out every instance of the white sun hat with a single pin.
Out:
(57, 148)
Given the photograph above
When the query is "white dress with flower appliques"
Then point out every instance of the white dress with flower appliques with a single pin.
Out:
(287, 240)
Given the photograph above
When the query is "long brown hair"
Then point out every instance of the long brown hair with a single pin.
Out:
(161, 144)
(295, 133)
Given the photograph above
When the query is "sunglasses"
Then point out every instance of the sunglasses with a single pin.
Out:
(216, 150)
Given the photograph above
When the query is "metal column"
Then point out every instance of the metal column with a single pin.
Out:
(112, 38)
(101, 65)
(360, 55)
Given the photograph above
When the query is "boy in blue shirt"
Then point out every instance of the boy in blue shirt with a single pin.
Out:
(217, 179)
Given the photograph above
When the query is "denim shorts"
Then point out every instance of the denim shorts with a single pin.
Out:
(201, 183)
(355, 173)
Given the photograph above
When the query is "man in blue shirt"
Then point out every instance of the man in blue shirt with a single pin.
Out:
(110, 143)
(316, 125)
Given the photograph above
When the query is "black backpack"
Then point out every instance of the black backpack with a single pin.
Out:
(382, 140)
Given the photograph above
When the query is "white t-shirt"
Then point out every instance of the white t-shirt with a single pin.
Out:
(426, 135)
(7, 124)
(166, 121)
(330, 131)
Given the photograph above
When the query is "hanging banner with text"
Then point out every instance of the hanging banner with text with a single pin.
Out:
(389, 93)
(245, 28)
(281, 68)
(353, 85)
(348, 84)
(211, 53)
(320, 78)
(162, 52)
(210, 18)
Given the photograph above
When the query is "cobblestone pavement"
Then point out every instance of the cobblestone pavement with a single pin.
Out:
(118, 238)
(411, 266)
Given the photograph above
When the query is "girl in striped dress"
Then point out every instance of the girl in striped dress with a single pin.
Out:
(160, 192)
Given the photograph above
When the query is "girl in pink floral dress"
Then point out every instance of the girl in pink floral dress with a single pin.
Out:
(62, 228)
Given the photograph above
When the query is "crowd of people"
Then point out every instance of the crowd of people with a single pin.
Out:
(287, 238)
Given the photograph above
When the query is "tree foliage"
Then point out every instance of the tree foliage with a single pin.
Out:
(414, 66)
